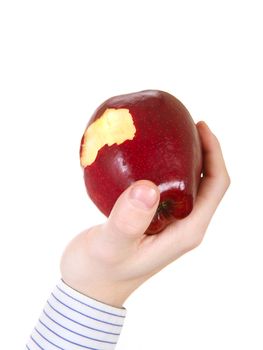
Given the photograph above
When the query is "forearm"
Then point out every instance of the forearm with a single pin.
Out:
(71, 319)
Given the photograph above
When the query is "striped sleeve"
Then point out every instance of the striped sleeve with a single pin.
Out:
(73, 321)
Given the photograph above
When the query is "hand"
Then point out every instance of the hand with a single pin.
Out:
(109, 261)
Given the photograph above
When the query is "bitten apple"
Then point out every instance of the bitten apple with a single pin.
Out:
(146, 135)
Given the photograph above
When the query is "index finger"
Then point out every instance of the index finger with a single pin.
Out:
(215, 179)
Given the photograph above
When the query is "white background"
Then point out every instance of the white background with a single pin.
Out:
(59, 60)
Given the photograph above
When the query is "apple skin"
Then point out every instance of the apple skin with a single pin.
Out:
(166, 150)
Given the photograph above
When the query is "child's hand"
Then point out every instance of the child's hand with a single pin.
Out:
(108, 262)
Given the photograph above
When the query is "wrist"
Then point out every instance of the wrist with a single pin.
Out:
(108, 294)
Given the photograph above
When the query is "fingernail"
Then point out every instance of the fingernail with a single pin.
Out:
(202, 122)
(145, 196)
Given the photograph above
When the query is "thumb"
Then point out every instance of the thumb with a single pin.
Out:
(132, 212)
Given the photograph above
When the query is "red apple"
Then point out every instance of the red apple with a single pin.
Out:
(144, 135)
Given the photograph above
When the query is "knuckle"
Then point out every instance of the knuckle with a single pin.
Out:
(226, 181)
(195, 242)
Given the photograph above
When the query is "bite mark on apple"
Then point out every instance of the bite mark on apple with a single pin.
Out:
(114, 126)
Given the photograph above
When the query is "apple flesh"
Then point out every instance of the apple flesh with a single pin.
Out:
(146, 135)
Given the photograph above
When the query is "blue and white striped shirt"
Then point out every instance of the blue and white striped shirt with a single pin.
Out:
(73, 321)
